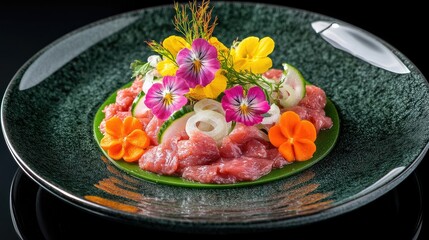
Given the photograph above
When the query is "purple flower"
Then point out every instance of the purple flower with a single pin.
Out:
(198, 65)
(166, 98)
(245, 109)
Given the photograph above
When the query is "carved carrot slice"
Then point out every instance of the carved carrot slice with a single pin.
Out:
(124, 140)
(293, 137)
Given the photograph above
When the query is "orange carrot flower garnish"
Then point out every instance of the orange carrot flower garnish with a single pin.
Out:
(124, 140)
(293, 137)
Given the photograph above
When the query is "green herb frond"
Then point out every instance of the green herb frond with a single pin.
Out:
(139, 68)
(194, 21)
(161, 50)
(248, 79)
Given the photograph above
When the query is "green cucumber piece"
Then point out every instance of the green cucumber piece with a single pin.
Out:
(174, 124)
(294, 79)
(138, 106)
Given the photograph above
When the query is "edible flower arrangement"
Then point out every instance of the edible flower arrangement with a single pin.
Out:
(210, 113)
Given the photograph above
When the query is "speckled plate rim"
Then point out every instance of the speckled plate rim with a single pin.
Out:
(346, 205)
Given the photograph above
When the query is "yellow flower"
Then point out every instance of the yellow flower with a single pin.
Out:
(173, 44)
(251, 54)
(167, 67)
(221, 49)
(212, 90)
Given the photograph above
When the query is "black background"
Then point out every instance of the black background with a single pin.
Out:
(28, 27)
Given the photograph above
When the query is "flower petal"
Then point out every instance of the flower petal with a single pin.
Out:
(251, 55)
(232, 99)
(132, 153)
(174, 44)
(108, 141)
(218, 45)
(303, 149)
(288, 122)
(116, 152)
(256, 94)
(247, 47)
(265, 47)
(131, 124)
(163, 99)
(257, 100)
(184, 56)
(114, 127)
(235, 92)
(305, 130)
(206, 75)
(287, 151)
(161, 111)
(154, 95)
(166, 68)
(197, 66)
(198, 92)
(204, 48)
(175, 85)
(276, 136)
(216, 87)
(259, 66)
(138, 138)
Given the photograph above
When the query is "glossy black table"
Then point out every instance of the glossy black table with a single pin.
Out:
(37, 214)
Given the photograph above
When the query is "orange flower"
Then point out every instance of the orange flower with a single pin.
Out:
(294, 137)
(125, 139)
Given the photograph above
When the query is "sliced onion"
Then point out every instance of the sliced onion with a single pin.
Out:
(289, 96)
(209, 122)
(274, 115)
(209, 104)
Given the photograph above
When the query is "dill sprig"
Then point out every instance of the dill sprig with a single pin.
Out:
(198, 24)
(248, 79)
(161, 50)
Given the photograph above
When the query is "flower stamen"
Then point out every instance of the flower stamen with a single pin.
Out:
(168, 99)
(197, 66)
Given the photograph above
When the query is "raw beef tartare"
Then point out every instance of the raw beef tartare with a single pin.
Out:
(211, 114)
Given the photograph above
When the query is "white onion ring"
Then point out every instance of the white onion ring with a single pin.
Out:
(289, 98)
(209, 104)
(209, 122)
(274, 113)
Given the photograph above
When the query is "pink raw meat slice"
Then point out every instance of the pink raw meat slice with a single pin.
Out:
(229, 170)
(152, 130)
(137, 85)
(245, 168)
(229, 149)
(275, 74)
(242, 133)
(126, 96)
(255, 148)
(110, 111)
(122, 107)
(315, 98)
(232, 145)
(315, 116)
(161, 159)
(200, 149)
(278, 160)
(311, 108)
(124, 99)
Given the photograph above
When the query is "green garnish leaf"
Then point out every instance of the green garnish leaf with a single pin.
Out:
(140, 68)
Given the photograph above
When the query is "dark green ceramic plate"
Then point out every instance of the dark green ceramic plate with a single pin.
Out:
(325, 143)
(50, 104)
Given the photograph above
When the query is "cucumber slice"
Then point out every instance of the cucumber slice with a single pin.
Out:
(138, 106)
(293, 86)
(176, 123)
